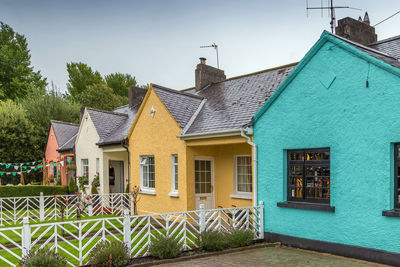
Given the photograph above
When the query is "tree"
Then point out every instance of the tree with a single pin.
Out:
(17, 77)
(101, 96)
(40, 109)
(120, 83)
(80, 77)
(19, 142)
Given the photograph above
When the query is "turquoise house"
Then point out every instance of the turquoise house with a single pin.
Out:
(328, 153)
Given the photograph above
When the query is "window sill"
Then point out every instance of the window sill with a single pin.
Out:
(173, 194)
(306, 206)
(391, 213)
(147, 192)
(241, 196)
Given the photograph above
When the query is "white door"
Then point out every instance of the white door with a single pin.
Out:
(204, 182)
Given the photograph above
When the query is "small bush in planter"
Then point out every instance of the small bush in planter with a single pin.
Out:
(43, 258)
(165, 248)
(240, 238)
(94, 190)
(213, 241)
(115, 251)
(72, 187)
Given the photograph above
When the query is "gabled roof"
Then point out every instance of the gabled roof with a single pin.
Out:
(113, 126)
(105, 122)
(373, 56)
(181, 105)
(390, 46)
(232, 103)
(64, 131)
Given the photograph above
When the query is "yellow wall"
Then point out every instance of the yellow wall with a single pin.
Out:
(158, 136)
(223, 156)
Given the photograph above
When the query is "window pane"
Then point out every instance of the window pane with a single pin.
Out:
(243, 174)
(309, 175)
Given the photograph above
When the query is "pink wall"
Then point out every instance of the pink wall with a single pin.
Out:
(51, 154)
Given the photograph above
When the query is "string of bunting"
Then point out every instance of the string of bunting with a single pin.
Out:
(27, 167)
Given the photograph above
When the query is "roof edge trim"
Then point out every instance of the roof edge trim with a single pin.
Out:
(226, 133)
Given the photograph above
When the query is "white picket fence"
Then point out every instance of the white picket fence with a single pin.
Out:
(44, 208)
(75, 240)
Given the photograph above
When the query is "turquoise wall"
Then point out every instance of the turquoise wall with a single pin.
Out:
(359, 124)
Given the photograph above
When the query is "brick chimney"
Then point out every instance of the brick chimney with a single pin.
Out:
(206, 74)
(359, 31)
(135, 96)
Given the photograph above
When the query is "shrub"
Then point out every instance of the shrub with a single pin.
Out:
(213, 241)
(94, 190)
(240, 238)
(100, 256)
(32, 190)
(43, 258)
(165, 248)
(72, 187)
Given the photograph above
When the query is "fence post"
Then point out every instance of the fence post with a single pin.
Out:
(41, 207)
(90, 208)
(261, 224)
(127, 229)
(132, 204)
(26, 237)
(202, 219)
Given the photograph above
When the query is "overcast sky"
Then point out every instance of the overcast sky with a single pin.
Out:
(158, 41)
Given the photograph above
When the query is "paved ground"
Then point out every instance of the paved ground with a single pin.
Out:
(274, 256)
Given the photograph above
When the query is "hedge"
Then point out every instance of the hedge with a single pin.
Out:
(32, 190)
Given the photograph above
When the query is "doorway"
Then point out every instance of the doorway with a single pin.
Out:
(204, 182)
(116, 176)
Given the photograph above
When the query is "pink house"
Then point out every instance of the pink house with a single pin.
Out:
(60, 149)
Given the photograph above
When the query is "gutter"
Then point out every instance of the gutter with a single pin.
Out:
(245, 133)
(234, 132)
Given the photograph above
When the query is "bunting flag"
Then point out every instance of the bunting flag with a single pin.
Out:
(68, 160)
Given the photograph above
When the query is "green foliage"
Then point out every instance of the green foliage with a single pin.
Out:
(41, 108)
(43, 258)
(17, 77)
(100, 255)
(240, 238)
(120, 83)
(80, 77)
(165, 248)
(19, 142)
(96, 180)
(32, 190)
(213, 241)
(82, 181)
(72, 187)
(94, 190)
(101, 96)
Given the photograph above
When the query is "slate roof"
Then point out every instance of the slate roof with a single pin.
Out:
(64, 131)
(390, 46)
(231, 104)
(381, 55)
(181, 105)
(106, 122)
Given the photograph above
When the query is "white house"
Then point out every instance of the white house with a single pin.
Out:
(100, 145)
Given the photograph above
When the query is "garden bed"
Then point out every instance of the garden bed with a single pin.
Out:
(195, 254)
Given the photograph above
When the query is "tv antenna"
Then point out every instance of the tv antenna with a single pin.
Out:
(330, 7)
(215, 46)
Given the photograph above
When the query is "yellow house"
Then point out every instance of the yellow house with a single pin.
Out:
(191, 147)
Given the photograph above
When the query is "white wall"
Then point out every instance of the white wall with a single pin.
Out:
(86, 148)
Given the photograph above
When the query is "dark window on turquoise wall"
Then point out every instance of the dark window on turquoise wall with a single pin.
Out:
(309, 175)
(397, 176)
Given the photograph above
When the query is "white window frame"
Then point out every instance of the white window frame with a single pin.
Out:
(97, 165)
(143, 162)
(83, 167)
(241, 194)
(174, 176)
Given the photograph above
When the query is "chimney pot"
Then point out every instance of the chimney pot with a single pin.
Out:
(203, 60)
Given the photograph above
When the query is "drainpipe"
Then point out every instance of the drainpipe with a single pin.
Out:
(126, 146)
(244, 133)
